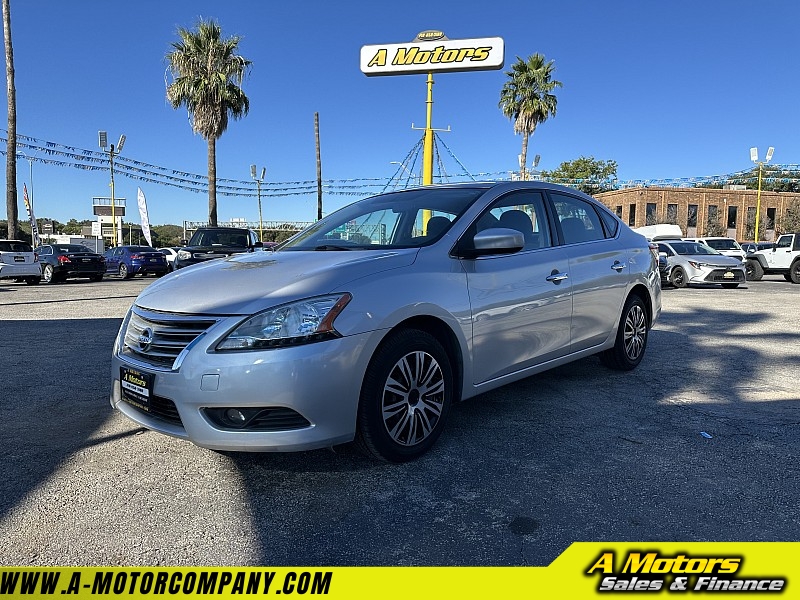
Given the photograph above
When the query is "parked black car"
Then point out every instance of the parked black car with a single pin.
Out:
(208, 243)
(64, 261)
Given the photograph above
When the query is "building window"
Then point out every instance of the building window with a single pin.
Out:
(619, 211)
(691, 216)
(672, 214)
(770, 224)
(732, 210)
(651, 214)
(632, 215)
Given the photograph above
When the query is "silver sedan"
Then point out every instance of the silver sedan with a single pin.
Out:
(372, 322)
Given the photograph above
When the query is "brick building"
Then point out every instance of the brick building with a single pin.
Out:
(697, 209)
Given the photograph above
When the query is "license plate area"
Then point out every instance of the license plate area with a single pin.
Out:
(729, 275)
(137, 387)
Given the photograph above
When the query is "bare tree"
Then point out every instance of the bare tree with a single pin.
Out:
(11, 145)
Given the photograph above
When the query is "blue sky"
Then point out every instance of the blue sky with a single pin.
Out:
(667, 89)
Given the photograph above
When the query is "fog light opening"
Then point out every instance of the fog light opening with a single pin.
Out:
(235, 415)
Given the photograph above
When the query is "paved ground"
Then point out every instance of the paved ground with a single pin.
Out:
(579, 453)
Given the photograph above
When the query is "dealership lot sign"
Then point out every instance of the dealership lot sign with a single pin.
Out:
(431, 51)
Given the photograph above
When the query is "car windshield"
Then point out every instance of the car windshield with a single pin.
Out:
(407, 219)
(692, 249)
(216, 237)
(12, 246)
(723, 244)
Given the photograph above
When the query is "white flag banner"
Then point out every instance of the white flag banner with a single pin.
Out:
(143, 214)
(31, 217)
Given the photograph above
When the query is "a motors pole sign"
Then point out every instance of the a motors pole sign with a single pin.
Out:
(431, 51)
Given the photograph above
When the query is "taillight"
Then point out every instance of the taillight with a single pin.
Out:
(654, 250)
(136, 256)
(64, 259)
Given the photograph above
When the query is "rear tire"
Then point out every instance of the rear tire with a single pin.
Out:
(753, 270)
(794, 271)
(98, 277)
(678, 278)
(405, 397)
(123, 271)
(33, 280)
(631, 341)
(48, 274)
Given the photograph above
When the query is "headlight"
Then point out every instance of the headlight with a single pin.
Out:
(184, 254)
(696, 264)
(292, 324)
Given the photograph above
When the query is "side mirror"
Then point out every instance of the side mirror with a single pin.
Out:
(184, 242)
(497, 240)
(258, 245)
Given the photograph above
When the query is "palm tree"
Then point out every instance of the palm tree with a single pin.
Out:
(11, 148)
(527, 98)
(207, 75)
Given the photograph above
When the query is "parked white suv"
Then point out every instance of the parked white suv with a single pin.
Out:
(18, 261)
(723, 245)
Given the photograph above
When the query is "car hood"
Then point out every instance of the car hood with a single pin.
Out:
(713, 259)
(247, 283)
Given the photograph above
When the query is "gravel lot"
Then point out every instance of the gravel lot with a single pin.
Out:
(577, 454)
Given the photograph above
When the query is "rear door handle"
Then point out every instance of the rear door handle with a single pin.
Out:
(618, 266)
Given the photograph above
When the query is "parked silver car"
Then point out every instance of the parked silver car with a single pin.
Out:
(369, 324)
(695, 263)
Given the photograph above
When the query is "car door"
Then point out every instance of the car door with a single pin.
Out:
(112, 260)
(780, 257)
(599, 270)
(521, 303)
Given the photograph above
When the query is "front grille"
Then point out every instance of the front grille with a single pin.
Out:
(168, 333)
(718, 276)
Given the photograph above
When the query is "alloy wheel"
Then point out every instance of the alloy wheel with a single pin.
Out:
(635, 332)
(413, 398)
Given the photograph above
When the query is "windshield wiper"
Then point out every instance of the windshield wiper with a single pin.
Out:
(332, 247)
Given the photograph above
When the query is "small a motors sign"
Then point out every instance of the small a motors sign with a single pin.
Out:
(433, 51)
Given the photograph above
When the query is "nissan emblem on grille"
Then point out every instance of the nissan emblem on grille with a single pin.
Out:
(145, 339)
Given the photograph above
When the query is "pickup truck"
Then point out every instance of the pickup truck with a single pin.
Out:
(208, 243)
(782, 259)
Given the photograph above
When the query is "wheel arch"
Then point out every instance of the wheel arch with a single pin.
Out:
(643, 293)
(446, 337)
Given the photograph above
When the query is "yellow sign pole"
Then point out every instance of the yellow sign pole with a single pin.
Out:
(427, 148)
(758, 202)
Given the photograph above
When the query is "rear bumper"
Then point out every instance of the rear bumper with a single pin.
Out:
(21, 270)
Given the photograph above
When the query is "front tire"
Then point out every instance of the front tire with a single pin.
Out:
(405, 397)
(753, 270)
(678, 278)
(631, 341)
(730, 286)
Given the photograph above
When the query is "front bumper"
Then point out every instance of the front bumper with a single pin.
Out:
(320, 382)
(715, 274)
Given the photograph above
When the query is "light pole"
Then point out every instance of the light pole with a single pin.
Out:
(754, 158)
(112, 152)
(259, 180)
